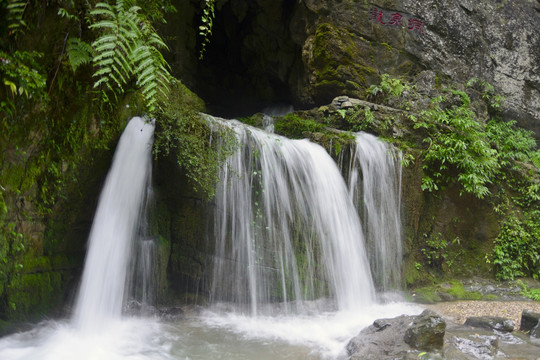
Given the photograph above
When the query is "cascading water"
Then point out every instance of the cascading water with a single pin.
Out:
(103, 285)
(145, 279)
(375, 185)
(286, 231)
(286, 227)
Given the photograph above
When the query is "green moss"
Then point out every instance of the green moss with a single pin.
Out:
(183, 131)
(187, 97)
(451, 290)
(295, 127)
(33, 264)
(426, 295)
(388, 46)
(34, 294)
(254, 120)
(457, 290)
(413, 275)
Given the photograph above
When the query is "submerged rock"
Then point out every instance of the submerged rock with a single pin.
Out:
(171, 314)
(491, 322)
(480, 347)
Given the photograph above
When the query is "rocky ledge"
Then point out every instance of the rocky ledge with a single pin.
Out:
(430, 336)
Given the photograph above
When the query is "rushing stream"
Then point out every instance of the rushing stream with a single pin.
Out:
(291, 276)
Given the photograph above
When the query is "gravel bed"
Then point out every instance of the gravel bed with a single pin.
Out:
(459, 311)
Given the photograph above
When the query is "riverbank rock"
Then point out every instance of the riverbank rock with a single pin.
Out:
(535, 332)
(491, 322)
(426, 331)
(396, 338)
(529, 320)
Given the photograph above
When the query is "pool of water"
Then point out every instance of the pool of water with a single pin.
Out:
(209, 334)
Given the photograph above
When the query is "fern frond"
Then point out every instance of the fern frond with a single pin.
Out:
(128, 46)
(16, 9)
(78, 53)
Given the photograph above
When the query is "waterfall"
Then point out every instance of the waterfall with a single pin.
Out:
(286, 228)
(145, 278)
(110, 243)
(375, 185)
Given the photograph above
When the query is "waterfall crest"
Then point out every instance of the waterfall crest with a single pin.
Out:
(286, 229)
(110, 243)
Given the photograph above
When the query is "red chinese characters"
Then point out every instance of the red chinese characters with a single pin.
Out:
(376, 14)
(415, 24)
(395, 20)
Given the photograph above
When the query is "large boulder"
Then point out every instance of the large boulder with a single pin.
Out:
(397, 338)
(426, 331)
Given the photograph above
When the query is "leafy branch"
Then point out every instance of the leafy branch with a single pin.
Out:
(205, 29)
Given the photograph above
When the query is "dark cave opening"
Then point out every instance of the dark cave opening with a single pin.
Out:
(251, 61)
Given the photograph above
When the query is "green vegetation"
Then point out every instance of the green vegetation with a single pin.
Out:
(453, 290)
(517, 249)
(478, 154)
(183, 128)
(389, 86)
(458, 149)
(207, 22)
(435, 252)
(295, 127)
(72, 73)
(128, 46)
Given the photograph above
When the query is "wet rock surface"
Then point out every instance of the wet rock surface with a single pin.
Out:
(386, 339)
(398, 338)
(426, 331)
(491, 322)
(500, 290)
(463, 342)
(529, 320)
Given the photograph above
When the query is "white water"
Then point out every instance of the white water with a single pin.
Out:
(101, 295)
(304, 177)
(375, 185)
(212, 335)
(286, 228)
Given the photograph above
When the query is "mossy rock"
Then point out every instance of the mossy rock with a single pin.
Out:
(31, 294)
(295, 127)
(184, 96)
(38, 264)
(339, 64)
(253, 120)
(456, 289)
(446, 291)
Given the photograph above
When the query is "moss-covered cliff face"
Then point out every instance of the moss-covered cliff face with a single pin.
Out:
(185, 222)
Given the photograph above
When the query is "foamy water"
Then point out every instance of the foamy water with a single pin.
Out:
(211, 335)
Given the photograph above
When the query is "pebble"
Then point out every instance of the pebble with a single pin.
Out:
(459, 311)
